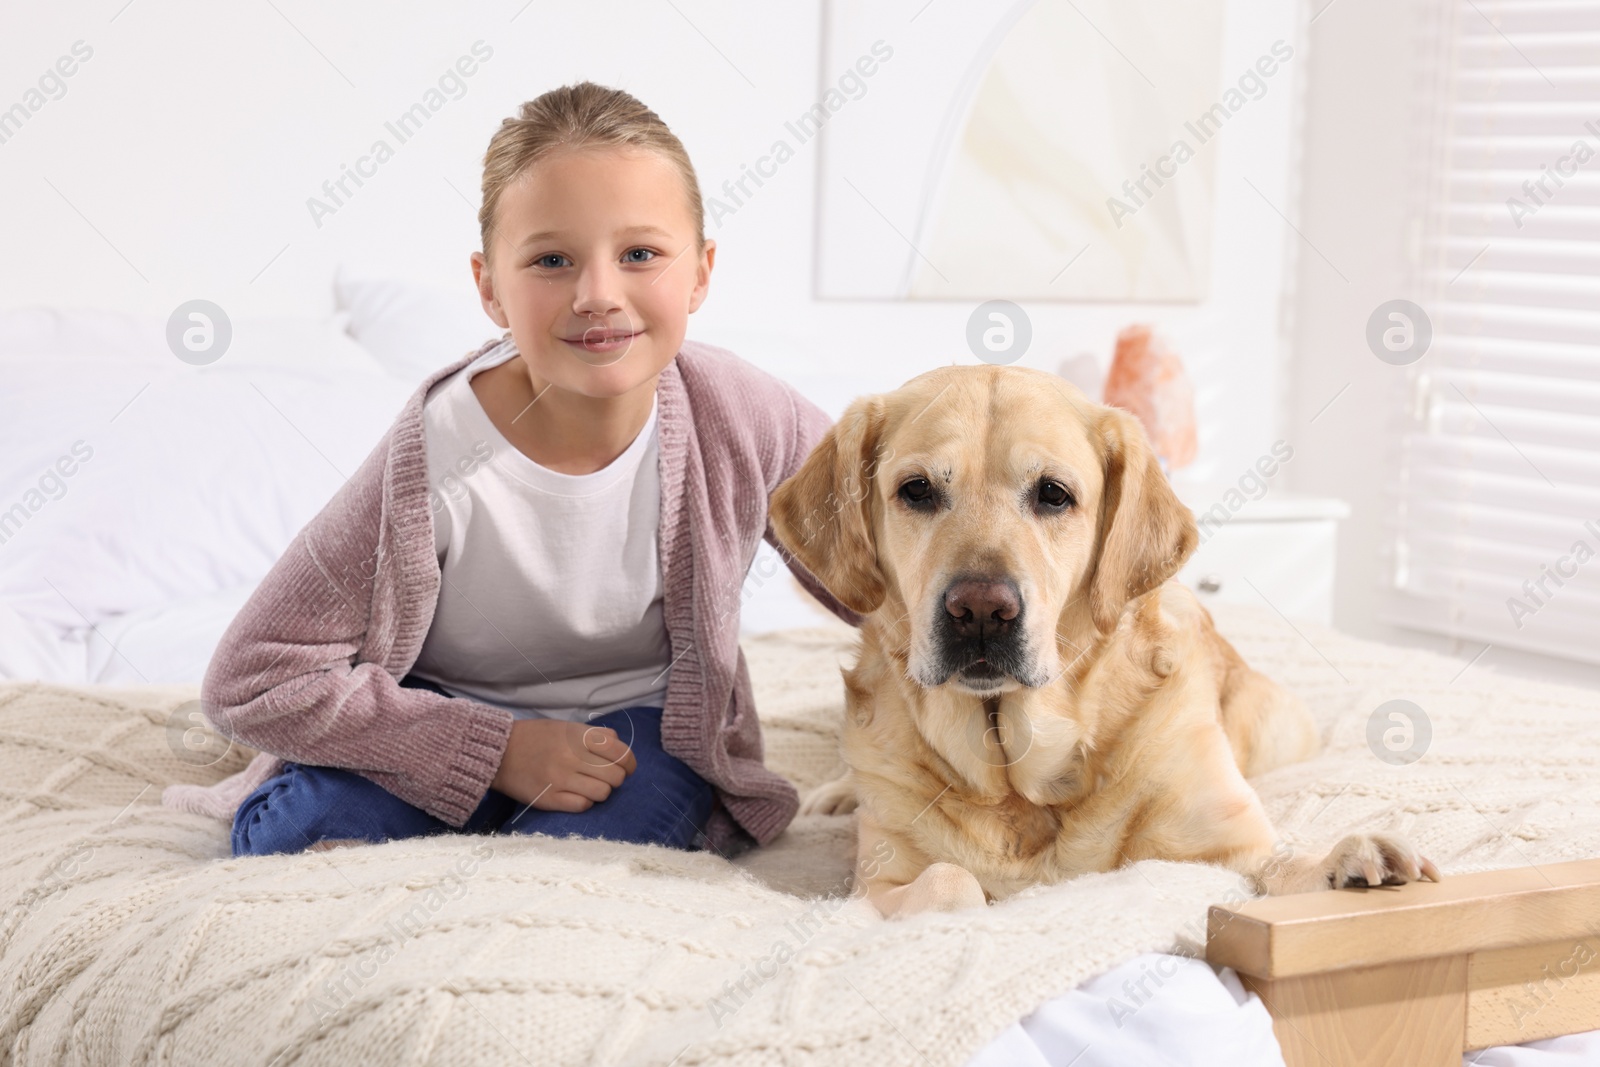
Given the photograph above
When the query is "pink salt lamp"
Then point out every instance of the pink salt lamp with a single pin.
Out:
(1147, 378)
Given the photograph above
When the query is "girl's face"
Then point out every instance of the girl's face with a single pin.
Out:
(593, 268)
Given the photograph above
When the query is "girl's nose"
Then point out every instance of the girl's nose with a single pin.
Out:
(599, 290)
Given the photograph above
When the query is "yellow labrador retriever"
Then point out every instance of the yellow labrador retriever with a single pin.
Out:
(1034, 699)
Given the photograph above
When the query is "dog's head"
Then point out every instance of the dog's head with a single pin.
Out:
(985, 503)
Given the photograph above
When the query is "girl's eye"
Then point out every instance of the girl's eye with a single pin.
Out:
(645, 251)
(544, 261)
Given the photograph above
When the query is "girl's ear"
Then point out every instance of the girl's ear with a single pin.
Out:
(483, 279)
(702, 282)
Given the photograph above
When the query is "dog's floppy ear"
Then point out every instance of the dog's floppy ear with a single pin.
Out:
(822, 514)
(1146, 532)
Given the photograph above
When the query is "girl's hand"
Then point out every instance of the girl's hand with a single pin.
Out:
(557, 765)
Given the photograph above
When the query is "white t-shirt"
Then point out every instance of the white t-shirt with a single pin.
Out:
(550, 600)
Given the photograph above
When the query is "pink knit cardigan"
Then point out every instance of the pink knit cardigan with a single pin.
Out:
(309, 669)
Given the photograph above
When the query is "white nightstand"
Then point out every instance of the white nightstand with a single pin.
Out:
(1277, 550)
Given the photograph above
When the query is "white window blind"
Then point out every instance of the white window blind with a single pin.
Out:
(1497, 481)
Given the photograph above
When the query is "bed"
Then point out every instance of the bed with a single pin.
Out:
(130, 935)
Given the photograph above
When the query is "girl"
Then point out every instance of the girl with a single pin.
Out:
(520, 615)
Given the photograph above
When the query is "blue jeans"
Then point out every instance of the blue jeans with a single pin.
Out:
(662, 802)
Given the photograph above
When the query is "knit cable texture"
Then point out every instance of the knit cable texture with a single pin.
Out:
(131, 936)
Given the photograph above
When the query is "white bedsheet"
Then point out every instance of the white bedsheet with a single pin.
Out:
(156, 645)
(1154, 1010)
(1198, 1016)
(1569, 1051)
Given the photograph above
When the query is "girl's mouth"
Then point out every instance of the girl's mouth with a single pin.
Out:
(599, 340)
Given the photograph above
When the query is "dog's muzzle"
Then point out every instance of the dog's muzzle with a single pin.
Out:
(980, 632)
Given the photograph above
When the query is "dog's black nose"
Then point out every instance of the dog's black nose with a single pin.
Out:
(981, 607)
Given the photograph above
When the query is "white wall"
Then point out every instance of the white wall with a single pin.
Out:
(194, 136)
(179, 161)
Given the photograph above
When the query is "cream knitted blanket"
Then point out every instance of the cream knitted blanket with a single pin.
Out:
(130, 936)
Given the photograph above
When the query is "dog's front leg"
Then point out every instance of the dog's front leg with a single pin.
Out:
(900, 880)
(1357, 860)
(1368, 859)
(940, 887)
(1226, 824)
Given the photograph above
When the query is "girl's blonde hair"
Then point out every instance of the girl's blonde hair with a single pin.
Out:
(582, 115)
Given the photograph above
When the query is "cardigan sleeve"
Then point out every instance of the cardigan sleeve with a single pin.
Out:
(288, 676)
(811, 422)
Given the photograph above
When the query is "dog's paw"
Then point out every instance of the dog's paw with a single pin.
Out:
(941, 887)
(1376, 859)
(837, 797)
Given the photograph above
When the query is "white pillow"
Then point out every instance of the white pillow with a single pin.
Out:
(412, 328)
(264, 341)
(129, 481)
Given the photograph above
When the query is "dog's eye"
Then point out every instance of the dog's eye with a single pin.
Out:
(1054, 495)
(917, 491)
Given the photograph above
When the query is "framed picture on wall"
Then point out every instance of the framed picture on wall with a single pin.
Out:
(1042, 150)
